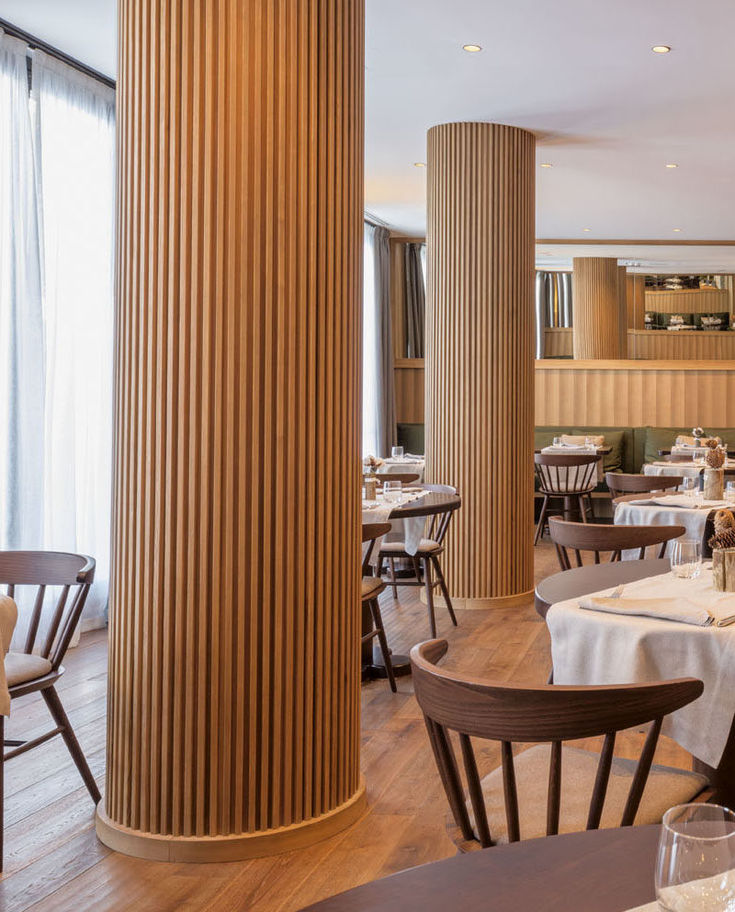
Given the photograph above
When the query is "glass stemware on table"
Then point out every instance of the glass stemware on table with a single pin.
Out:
(393, 491)
(690, 486)
(695, 867)
(396, 452)
(730, 492)
(686, 559)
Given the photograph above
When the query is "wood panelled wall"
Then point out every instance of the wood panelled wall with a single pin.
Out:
(234, 622)
(688, 300)
(682, 345)
(479, 361)
(635, 393)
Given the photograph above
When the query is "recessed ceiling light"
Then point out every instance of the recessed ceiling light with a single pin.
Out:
(678, 229)
(546, 165)
(671, 165)
(661, 49)
(419, 164)
(586, 229)
(471, 48)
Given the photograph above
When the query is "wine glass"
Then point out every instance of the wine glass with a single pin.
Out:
(396, 452)
(695, 867)
(686, 559)
(393, 491)
(730, 492)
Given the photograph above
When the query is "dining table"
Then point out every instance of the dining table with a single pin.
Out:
(408, 519)
(683, 468)
(594, 647)
(608, 870)
(400, 465)
(694, 513)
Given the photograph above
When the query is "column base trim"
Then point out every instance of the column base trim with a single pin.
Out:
(238, 847)
(478, 604)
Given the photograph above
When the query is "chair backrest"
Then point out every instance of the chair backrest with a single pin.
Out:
(578, 537)
(403, 477)
(438, 523)
(562, 474)
(74, 573)
(370, 533)
(473, 707)
(619, 483)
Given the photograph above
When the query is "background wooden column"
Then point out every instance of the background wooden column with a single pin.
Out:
(234, 675)
(597, 303)
(479, 359)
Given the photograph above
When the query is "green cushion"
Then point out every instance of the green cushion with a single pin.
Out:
(657, 438)
(722, 318)
(411, 437)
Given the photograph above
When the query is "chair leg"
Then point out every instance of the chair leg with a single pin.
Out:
(426, 567)
(542, 518)
(67, 733)
(445, 591)
(582, 508)
(392, 565)
(378, 624)
(592, 507)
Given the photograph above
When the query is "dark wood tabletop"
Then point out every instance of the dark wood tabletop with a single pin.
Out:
(595, 871)
(593, 577)
(432, 502)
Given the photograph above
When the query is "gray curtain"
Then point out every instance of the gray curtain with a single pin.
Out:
(415, 301)
(386, 367)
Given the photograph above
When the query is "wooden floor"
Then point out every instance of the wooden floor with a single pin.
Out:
(53, 860)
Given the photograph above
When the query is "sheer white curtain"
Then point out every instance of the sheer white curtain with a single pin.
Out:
(57, 185)
(370, 351)
(74, 135)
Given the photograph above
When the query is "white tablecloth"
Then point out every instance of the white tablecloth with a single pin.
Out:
(693, 519)
(410, 531)
(685, 469)
(404, 466)
(591, 647)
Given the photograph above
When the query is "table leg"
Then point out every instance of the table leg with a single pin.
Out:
(371, 658)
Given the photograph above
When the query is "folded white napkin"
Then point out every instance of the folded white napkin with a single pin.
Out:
(678, 609)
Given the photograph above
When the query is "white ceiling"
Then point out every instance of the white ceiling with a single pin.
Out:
(607, 112)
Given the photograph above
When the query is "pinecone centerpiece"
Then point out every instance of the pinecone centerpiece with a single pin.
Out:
(715, 455)
(714, 475)
(723, 551)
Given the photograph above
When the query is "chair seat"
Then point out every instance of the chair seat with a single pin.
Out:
(20, 668)
(665, 787)
(371, 586)
(398, 548)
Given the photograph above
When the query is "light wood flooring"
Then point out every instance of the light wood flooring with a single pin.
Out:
(53, 860)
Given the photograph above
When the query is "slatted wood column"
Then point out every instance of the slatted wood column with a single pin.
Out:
(598, 308)
(479, 361)
(234, 655)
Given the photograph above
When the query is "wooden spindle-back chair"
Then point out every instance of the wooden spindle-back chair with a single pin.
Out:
(523, 798)
(620, 483)
(571, 477)
(427, 569)
(579, 537)
(37, 665)
(372, 586)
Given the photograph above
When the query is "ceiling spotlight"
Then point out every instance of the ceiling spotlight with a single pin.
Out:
(586, 229)
(661, 49)
(678, 229)
(671, 165)
(419, 164)
(546, 165)
(471, 48)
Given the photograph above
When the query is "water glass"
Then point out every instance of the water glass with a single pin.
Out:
(557, 441)
(686, 559)
(396, 452)
(695, 867)
(589, 444)
(393, 491)
(730, 492)
(690, 486)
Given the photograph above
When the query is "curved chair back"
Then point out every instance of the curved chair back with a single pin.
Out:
(561, 474)
(474, 707)
(619, 483)
(438, 523)
(578, 537)
(74, 573)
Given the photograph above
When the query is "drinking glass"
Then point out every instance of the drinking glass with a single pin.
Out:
(590, 444)
(690, 486)
(686, 559)
(557, 441)
(393, 491)
(696, 859)
(396, 452)
(730, 492)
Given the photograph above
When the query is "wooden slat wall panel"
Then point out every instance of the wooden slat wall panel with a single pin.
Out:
(410, 391)
(234, 676)
(558, 342)
(635, 300)
(598, 307)
(635, 394)
(662, 345)
(688, 300)
(479, 363)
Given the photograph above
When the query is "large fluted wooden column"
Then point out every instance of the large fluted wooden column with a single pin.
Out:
(599, 311)
(234, 666)
(479, 360)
